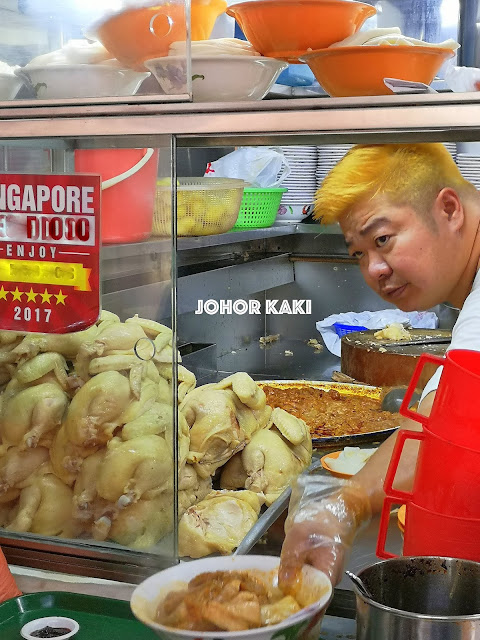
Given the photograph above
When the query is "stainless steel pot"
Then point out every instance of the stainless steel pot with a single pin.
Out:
(420, 598)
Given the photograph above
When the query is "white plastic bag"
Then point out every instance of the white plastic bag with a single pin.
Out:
(262, 167)
(372, 320)
(460, 79)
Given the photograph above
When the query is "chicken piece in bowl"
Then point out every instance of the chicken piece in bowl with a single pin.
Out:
(257, 609)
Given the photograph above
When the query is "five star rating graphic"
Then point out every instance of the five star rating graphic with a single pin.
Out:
(31, 296)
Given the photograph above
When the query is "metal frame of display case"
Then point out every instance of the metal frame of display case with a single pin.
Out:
(441, 118)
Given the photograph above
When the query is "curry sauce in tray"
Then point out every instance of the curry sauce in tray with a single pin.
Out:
(334, 412)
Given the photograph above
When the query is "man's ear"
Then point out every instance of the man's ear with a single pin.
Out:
(448, 207)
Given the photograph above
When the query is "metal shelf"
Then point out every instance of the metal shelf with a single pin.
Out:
(437, 117)
(155, 246)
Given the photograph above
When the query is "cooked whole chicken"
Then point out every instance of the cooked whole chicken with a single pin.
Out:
(111, 336)
(140, 467)
(66, 457)
(191, 488)
(272, 458)
(67, 344)
(153, 422)
(31, 414)
(16, 466)
(215, 435)
(142, 524)
(87, 440)
(87, 504)
(45, 506)
(96, 410)
(136, 408)
(41, 365)
(245, 388)
(218, 523)
(186, 379)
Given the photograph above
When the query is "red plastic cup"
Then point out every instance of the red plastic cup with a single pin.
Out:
(447, 476)
(454, 416)
(434, 534)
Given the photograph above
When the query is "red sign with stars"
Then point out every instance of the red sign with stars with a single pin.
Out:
(49, 252)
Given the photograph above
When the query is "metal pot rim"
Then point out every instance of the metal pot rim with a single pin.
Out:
(411, 614)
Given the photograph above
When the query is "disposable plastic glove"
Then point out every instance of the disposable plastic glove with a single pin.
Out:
(324, 517)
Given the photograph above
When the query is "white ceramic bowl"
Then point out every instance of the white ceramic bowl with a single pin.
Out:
(9, 86)
(218, 78)
(304, 625)
(51, 621)
(83, 81)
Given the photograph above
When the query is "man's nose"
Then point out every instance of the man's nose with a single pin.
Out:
(377, 266)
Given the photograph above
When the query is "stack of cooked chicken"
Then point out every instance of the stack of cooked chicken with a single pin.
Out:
(87, 442)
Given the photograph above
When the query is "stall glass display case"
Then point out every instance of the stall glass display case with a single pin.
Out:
(95, 397)
(123, 522)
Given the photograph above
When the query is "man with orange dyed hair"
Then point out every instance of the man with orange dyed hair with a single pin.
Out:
(413, 223)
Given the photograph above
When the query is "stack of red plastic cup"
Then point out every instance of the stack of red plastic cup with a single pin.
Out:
(443, 509)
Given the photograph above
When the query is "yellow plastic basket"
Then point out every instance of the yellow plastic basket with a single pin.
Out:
(205, 206)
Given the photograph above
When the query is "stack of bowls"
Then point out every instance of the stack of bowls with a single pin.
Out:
(468, 161)
(327, 157)
(304, 30)
(301, 183)
(451, 147)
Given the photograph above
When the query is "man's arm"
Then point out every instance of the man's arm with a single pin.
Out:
(372, 476)
(320, 531)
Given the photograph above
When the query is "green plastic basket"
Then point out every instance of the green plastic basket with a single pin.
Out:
(258, 208)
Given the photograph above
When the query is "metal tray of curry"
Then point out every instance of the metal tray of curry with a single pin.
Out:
(337, 413)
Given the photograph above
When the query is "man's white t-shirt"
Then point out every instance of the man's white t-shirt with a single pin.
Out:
(466, 332)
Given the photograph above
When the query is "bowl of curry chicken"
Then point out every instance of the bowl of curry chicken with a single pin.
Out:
(234, 598)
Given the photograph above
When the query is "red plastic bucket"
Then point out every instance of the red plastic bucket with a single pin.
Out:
(129, 179)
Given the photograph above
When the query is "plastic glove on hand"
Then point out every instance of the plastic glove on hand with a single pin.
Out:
(320, 529)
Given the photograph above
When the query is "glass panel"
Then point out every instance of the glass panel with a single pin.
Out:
(89, 446)
(86, 49)
(430, 20)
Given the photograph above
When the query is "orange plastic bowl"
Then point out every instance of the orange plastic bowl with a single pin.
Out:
(138, 34)
(359, 71)
(286, 29)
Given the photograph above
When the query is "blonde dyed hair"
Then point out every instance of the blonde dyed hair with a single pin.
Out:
(407, 174)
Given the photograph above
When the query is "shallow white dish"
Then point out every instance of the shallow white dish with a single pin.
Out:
(83, 81)
(304, 625)
(9, 86)
(218, 78)
(50, 621)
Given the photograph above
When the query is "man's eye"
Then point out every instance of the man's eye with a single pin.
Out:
(381, 241)
(357, 255)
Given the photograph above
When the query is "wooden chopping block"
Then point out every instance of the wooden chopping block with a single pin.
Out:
(368, 360)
